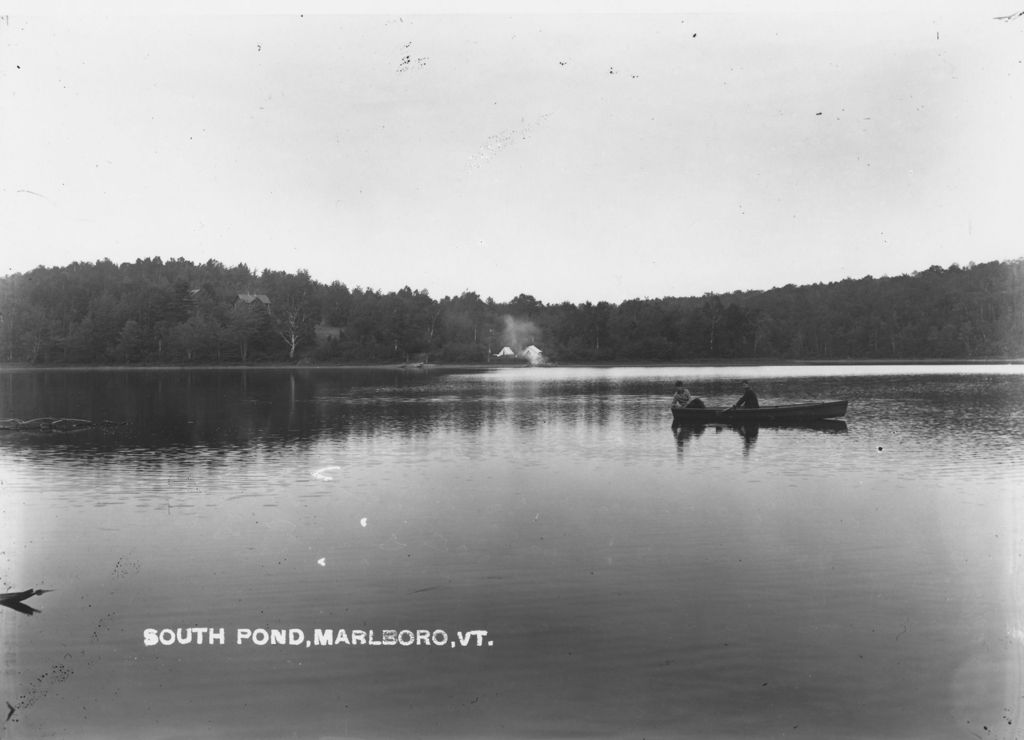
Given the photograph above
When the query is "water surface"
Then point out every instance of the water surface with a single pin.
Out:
(855, 580)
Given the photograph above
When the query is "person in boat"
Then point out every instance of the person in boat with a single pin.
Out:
(683, 400)
(748, 400)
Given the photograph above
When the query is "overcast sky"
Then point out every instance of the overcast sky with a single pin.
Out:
(574, 157)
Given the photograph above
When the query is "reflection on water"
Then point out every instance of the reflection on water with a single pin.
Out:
(748, 431)
(851, 578)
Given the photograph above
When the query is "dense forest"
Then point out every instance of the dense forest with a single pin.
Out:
(171, 312)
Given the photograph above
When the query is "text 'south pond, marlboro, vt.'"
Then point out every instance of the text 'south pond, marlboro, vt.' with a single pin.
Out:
(298, 637)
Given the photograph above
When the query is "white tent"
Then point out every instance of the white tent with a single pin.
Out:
(506, 352)
(533, 354)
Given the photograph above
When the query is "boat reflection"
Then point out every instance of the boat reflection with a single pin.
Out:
(684, 432)
(749, 433)
(828, 426)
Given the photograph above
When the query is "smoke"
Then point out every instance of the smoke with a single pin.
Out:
(520, 334)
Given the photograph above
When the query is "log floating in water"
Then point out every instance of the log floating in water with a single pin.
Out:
(18, 596)
(53, 424)
(16, 600)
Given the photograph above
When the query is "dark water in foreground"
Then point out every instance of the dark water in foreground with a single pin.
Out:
(861, 580)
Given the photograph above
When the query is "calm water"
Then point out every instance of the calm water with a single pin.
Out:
(857, 581)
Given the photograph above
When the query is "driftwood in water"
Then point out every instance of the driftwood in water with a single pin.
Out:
(52, 424)
(15, 600)
(17, 596)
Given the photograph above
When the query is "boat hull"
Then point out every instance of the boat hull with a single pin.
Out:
(797, 412)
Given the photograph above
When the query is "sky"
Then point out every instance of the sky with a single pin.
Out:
(573, 156)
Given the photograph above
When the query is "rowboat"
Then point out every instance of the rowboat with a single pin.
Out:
(788, 413)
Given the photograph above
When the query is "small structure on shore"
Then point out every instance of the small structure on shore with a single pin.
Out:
(506, 353)
(253, 299)
(533, 355)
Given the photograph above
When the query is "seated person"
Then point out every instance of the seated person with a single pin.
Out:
(683, 400)
(748, 400)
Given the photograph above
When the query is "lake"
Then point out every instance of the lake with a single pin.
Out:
(517, 553)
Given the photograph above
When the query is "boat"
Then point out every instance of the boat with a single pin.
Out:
(784, 414)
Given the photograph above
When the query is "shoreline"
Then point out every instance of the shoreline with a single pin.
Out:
(427, 367)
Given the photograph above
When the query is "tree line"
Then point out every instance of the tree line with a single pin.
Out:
(179, 312)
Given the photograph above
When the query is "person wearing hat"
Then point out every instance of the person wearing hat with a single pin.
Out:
(748, 400)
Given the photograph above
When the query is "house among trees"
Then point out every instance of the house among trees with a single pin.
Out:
(253, 299)
(325, 333)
